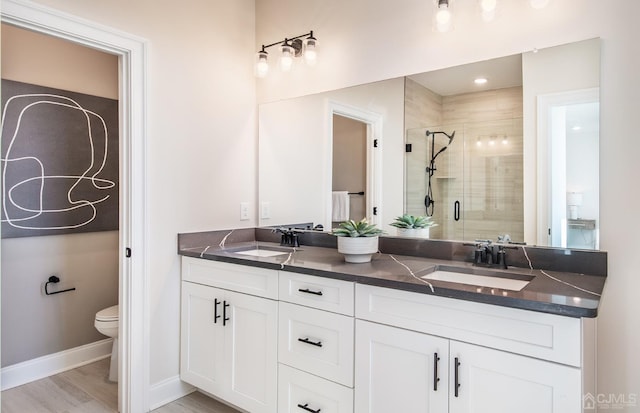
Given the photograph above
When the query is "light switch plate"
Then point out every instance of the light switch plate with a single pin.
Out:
(244, 211)
(265, 210)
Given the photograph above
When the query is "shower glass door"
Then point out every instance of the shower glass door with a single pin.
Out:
(477, 182)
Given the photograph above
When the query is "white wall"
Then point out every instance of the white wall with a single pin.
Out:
(201, 147)
(356, 48)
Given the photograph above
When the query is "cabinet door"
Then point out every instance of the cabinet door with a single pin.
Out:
(395, 370)
(499, 382)
(251, 351)
(202, 362)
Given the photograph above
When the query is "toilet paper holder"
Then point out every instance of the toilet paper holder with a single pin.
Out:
(53, 280)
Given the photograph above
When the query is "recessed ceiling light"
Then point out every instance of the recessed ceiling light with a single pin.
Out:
(576, 128)
(480, 81)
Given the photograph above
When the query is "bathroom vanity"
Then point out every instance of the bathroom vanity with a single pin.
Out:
(274, 329)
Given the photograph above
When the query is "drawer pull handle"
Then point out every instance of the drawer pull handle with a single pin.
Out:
(225, 304)
(308, 291)
(436, 379)
(456, 377)
(216, 316)
(307, 408)
(313, 343)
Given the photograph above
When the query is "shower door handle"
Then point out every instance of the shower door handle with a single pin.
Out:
(456, 211)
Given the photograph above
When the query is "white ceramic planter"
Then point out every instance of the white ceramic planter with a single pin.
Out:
(413, 232)
(357, 249)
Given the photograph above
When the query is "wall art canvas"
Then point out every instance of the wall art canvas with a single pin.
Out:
(59, 161)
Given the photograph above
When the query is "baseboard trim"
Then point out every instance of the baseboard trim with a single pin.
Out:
(167, 391)
(45, 366)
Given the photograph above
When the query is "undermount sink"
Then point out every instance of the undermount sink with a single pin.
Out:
(480, 278)
(262, 251)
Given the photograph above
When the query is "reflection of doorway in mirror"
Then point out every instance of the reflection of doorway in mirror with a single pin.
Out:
(571, 122)
(349, 175)
(574, 155)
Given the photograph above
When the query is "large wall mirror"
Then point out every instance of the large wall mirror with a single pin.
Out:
(517, 154)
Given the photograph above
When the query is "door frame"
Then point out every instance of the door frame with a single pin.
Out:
(545, 103)
(374, 158)
(133, 384)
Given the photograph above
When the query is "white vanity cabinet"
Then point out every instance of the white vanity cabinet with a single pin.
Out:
(315, 344)
(487, 358)
(229, 338)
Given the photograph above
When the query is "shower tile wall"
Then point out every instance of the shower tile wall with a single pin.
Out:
(489, 176)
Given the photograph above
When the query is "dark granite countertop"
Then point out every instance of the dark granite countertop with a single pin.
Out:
(555, 292)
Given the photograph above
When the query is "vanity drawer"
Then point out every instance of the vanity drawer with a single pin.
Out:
(245, 279)
(316, 341)
(318, 292)
(545, 336)
(297, 390)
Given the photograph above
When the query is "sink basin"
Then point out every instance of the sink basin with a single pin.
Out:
(480, 278)
(260, 251)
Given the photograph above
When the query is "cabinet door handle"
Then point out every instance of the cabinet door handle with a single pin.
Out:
(216, 316)
(436, 379)
(307, 408)
(456, 211)
(313, 343)
(225, 304)
(308, 291)
(456, 377)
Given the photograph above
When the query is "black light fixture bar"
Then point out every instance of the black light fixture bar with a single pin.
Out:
(287, 39)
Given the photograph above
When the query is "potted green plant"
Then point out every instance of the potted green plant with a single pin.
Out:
(358, 241)
(413, 226)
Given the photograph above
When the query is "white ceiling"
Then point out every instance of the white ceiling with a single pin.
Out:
(500, 73)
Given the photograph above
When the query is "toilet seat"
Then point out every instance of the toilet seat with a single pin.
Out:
(108, 314)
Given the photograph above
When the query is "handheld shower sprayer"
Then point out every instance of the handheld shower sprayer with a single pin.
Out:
(428, 199)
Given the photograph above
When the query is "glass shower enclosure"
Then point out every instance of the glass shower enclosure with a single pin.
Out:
(473, 189)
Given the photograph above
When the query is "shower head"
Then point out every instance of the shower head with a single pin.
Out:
(443, 133)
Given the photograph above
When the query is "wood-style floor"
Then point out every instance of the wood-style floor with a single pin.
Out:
(87, 390)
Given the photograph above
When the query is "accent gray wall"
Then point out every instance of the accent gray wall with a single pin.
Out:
(34, 324)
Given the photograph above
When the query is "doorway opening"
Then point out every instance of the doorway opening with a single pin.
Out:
(133, 336)
(355, 186)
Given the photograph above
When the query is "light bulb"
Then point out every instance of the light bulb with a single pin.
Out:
(480, 80)
(262, 66)
(443, 17)
(488, 9)
(286, 60)
(488, 5)
(310, 53)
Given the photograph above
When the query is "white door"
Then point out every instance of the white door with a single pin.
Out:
(202, 338)
(398, 370)
(251, 336)
(498, 382)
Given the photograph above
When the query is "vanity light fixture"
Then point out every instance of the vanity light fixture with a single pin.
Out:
(443, 16)
(290, 48)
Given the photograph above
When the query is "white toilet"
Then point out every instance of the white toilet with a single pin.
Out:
(107, 324)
